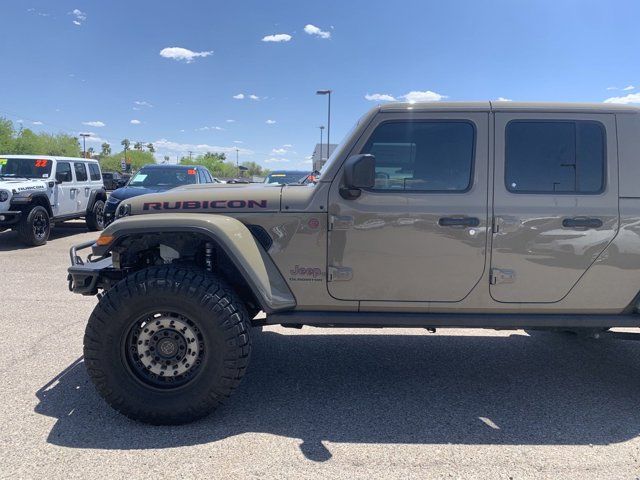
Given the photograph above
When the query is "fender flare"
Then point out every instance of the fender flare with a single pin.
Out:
(247, 254)
(97, 194)
(22, 200)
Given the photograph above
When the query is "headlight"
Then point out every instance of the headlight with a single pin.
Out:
(124, 210)
(4, 195)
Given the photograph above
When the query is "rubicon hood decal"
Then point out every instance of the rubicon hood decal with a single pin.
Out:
(205, 204)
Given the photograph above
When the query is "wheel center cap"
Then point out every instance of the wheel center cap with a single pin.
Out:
(167, 347)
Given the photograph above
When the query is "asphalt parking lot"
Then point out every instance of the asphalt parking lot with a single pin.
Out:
(318, 403)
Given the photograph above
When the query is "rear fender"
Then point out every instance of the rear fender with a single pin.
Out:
(231, 235)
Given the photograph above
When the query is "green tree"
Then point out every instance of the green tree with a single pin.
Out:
(106, 150)
(151, 148)
(28, 142)
(137, 146)
(7, 134)
(138, 160)
(254, 169)
(125, 144)
(213, 161)
(90, 151)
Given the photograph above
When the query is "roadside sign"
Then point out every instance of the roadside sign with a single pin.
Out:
(123, 165)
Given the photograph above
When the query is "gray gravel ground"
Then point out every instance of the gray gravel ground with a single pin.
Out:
(317, 403)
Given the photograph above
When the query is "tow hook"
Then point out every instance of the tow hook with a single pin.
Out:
(431, 330)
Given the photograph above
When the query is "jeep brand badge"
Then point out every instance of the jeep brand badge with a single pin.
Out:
(205, 204)
(305, 274)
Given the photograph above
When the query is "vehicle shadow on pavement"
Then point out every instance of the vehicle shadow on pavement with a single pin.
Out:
(9, 240)
(541, 389)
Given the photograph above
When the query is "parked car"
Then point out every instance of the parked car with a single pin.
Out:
(155, 178)
(284, 177)
(481, 215)
(113, 180)
(37, 191)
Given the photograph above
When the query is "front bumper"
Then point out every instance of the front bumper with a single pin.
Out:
(9, 218)
(86, 277)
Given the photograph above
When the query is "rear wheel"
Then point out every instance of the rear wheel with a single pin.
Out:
(34, 226)
(166, 345)
(95, 218)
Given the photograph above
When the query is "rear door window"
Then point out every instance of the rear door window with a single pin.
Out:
(555, 157)
(81, 171)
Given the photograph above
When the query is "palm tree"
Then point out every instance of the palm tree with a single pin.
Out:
(106, 150)
(138, 146)
(125, 143)
(150, 147)
(90, 151)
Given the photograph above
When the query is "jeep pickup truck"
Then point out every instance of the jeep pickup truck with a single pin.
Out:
(483, 215)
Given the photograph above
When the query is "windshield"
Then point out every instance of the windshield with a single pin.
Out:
(285, 178)
(163, 177)
(25, 167)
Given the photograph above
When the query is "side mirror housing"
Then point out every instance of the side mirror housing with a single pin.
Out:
(359, 173)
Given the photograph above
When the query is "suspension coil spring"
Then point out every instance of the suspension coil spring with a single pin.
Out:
(208, 256)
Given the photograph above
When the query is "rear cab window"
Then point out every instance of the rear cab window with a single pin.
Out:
(94, 172)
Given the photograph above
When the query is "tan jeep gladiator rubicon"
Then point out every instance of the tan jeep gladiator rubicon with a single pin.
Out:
(490, 215)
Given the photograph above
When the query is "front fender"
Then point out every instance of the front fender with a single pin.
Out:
(249, 257)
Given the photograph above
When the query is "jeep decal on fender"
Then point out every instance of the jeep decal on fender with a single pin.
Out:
(203, 205)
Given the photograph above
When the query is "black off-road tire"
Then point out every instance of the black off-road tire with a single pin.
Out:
(95, 218)
(219, 317)
(34, 227)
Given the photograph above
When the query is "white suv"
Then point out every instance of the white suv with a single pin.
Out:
(36, 191)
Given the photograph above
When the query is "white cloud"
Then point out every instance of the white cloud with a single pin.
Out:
(95, 123)
(631, 98)
(135, 122)
(287, 145)
(278, 37)
(183, 54)
(93, 138)
(628, 88)
(423, 96)
(164, 145)
(254, 97)
(270, 122)
(278, 151)
(313, 30)
(229, 120)
(379, 97)
(79, 16)
(238, 141)
(143, 103)
(276, 160)
(612, 88)
(242, 96)
(37, 122)
(503, 99)
(239, 96)
(204, 129)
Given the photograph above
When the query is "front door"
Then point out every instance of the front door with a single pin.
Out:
(420, 234)
(65, 194)
(555, 202)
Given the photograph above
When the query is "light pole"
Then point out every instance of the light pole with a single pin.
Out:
(238, 162)
(321, 127)
(328, 93)
(84, 145)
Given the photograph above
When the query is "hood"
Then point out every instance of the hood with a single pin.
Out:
(23, 184)
(128, 192)
(207, 198)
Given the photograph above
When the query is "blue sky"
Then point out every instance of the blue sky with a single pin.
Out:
(94, 66)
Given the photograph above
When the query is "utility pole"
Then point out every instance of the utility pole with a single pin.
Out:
(238, 161)
(190, 154)
(321, 127)
(328, 93)
(84, 145)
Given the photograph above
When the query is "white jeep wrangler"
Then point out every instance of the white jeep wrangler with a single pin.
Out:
(37, 191)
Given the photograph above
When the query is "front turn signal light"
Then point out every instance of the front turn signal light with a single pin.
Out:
(104, 240)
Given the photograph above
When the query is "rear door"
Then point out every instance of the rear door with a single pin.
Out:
(555, 202)
(83, 186)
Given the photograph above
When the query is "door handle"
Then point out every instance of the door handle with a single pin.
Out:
(581, 222)
(459, 222)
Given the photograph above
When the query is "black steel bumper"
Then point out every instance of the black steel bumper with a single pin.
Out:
(9, 218)
(87, 276)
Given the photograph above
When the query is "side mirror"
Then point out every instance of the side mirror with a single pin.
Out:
(359, 173)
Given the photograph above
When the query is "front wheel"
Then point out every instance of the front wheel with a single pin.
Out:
(34, 227)
(166, 345)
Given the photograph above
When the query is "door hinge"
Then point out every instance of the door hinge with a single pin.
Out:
(340, 222)
(499, 275)
(339, 274)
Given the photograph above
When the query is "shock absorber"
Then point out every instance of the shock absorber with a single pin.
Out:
(208, 256)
